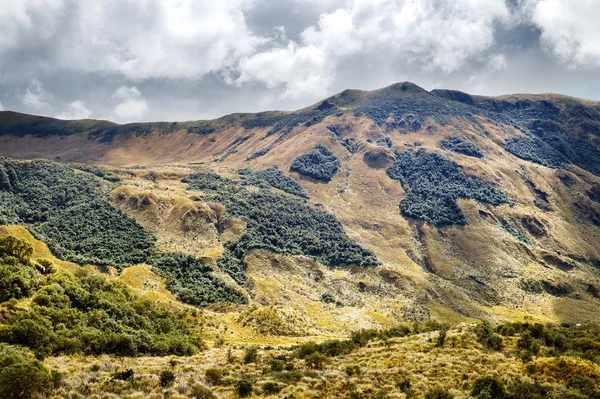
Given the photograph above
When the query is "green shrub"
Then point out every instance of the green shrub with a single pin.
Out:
(213, 376)
(243, 388)
(126, 375)
(271, 388)
(438, 393)
(316, 360)
(201, 392)
(251, 355)
(526, 390)
(22, 376)
(277, 365)
(488, 387)
(462, 145)
(18, 277)
(90, 314)
(319, 163)
(166, 378)
(486, 336)
(273, 177)
(441, 338)
(535, 150)
(585, 386)
(353, 370)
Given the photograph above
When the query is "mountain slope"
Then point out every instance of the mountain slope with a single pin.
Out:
(494, 212)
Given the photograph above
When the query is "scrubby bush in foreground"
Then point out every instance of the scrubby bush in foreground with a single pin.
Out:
(89, 314)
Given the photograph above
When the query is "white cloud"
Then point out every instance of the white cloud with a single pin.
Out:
(75, 110)
(132, 105)
(437, 35)
(304, 71)
(2, 107)
(35, 96)
(138, 39)
(570, 30)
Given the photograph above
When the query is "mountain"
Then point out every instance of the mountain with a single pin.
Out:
(363, 210)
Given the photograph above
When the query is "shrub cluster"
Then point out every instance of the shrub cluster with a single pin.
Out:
(192, 281)
(319, 163)
(67, 210)
(88, 314)
(22, 376)
(577, 340)
(273, 177)
(100, 172)
(534, 150)
(463, 146)
(433, 183)
(259, 153)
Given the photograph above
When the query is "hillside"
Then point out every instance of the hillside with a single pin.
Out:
(367, 210)
(499, 206)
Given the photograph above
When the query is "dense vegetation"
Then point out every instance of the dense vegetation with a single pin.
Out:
(192, 281)
(22, 376)
(259, 153)
(433, 183)
(279, 223)
(83, 313)
(319, 163)
(66, 209)
(534, 150)
(462, 146)
(273, 177)
(385, 141)
(96, 171)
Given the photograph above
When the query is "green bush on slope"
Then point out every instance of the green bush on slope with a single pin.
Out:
(319, 163)
(90, 314)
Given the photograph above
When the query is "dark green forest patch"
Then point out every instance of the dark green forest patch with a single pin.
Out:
(319, 163)
(461, 145)
(273, 177)
(434, 183)
(66, 210)
(279, 223)
(534, 150)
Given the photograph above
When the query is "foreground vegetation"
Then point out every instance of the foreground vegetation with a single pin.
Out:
(419, 360)
(83, 313)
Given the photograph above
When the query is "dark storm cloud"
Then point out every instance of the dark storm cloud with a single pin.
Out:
(193, 59)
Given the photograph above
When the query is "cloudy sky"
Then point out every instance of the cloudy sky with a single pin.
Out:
(148, 60)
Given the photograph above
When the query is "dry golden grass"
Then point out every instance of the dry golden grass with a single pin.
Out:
(376, 369)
